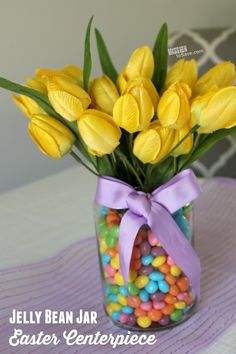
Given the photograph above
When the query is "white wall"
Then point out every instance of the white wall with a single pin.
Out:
(50, 33)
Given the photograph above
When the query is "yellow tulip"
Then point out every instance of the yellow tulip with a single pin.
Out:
(37, 83)
(182, 70)
(28, 106)
(67, 98)
(51, 136)
(122, 82)
(186, 145)
(221, 75)
(141, 63)
(75, 73)
(173, 109)
(104, 94)
(215, 110)
(99, 132)
(147, 84)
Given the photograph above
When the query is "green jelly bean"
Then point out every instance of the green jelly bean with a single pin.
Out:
(187, 209)
(132, 288)
(101, 223)
(110, 242)
(175, 316)
(104, 232)
(108, 300)
(114, 231)
(114, 289)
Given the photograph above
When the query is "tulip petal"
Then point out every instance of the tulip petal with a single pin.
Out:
(28, 106)
(182, 70)
(145, 106)
(147, 145)
(44, 141)
(141, 63)
(186, 145)
(126, 113)
(168, 108)
(65, 104)
(75, 73)
(147, 84)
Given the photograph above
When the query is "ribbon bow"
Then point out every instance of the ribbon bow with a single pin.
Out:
(154, 209)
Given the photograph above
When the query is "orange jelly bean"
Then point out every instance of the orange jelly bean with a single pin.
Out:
(134, 301)
(183, 283)
(174, 290)
(188, 299)
(139, 312)
(111, 251)
(135, 264)
(168, 309)
(112, 219)
(155, 315)
(170, 279)
(170, 299)
(164, 268)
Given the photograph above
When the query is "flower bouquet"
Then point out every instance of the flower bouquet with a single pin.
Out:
(138, 131)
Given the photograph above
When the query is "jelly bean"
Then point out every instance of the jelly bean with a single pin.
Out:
(154, 315)
(176, 315)
(180, 305)
(183, 283)
(107, 290)
(109, 310)
(151, 287)
(119, 279)
(115, 262)
(164, 320)
(181, 296)
(156, 276)
(163, 286)
(114, 289)
(110, 241)
(158, 261)
(112, 219)
(158, 296)
(186, 309)
(101, 223)
(174, 290)
(117, 246)
(131, 320)
(104, 211)
(110, 251)
(114, 231)
(141, 281)
(170, 299)
(136, 253)
(116, 315)
(132, 288)
(170, 261)
(157, 251)
(145, 248)
(127, 309)
(133, 301)
(103, 245)
(109, 270)
(123, 318)
(115, 306)
(112, 280)
(144, 322)
(168, 309)
(152, 239)
(135, 264)
(123, 290)
(146, 306)
(139, 312)
(146, 270)
(113, 298)
(144, 296)
(132, 275)
(170, 279)
(122, 299)
(189, 299)
(165, 268)
(146, 260)
(105, 258)
(158, 305)
(104, 232)
(175, 270)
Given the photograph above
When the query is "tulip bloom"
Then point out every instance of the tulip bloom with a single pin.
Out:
(182, 70)
(173, 109)
(51, 136)
(67, 98)
(28, 106)
(99, 132)
(215, 110)
(141, 63)
(147, 84)
(104, 94)
(221, 75)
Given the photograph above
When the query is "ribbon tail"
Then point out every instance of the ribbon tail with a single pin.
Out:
(175, 244)
(129, 227)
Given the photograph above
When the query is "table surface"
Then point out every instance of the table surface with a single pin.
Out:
(39, 220)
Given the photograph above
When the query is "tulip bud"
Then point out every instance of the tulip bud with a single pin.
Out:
(173, 109)
(147, 84)
(215, 110)
(141, 63)
(28, 106)
(186, 145)
(182, 70)
(51, 136)
(67, 98)
(99, 132)
(104, 94)
(221, 75)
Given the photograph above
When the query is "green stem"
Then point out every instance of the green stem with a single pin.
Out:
(130, 167)
(78, 159)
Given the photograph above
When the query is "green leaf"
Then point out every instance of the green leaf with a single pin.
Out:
(233, 134)
(160, 53)
(159, 174)
(87, 56)
(105, 59)
(104, 166)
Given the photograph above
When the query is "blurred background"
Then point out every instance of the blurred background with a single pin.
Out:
(51, 34)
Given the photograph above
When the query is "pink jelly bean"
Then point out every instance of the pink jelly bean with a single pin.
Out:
(146, 306)
(109, 270)
(180, 296)
(123, 318)
(112, 280)
(152, 239)
(170, 261)
(158, 305)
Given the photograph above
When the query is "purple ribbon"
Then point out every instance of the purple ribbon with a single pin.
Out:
(154, 209)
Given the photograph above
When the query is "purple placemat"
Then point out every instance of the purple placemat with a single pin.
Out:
(71, 281)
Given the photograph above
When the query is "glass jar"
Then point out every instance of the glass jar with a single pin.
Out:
(159, 295)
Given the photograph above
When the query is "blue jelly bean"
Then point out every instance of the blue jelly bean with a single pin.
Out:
(113, 297)
(127, 309)
(144, 296)
(146, 260)
(107, 290)
(104, 211)
(156, 276)
(106, 258)
(187, 308)
(163, 286)
(151, 287)
(116, 315)
(123, 290)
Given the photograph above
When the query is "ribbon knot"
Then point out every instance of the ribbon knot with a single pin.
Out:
(156, 210)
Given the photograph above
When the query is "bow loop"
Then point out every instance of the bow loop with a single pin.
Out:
(139, 203)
